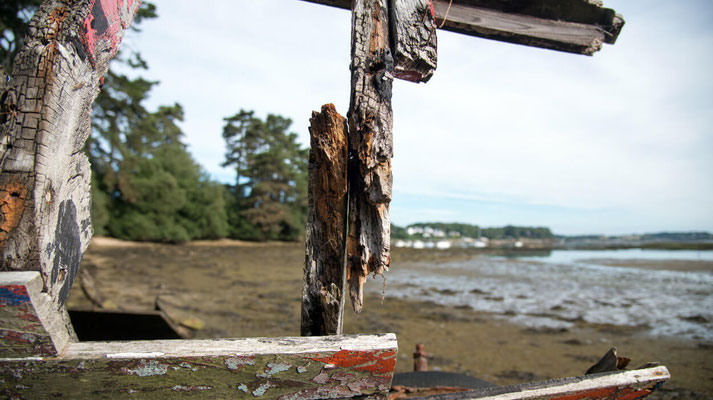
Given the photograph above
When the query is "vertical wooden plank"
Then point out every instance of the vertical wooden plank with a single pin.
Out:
(44, 185)
(30, 325)
(413, 39)
(371, 146)
(324, 271)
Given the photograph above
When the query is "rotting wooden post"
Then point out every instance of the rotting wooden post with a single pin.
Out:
(45, 115)
(408, 27)
(324, 273)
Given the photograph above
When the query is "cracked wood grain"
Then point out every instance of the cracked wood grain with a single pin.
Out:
(45, 220)
(389, 39)
(324, 273)
(413, 39)
(371, 146)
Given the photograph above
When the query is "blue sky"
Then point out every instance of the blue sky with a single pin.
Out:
(621, 142)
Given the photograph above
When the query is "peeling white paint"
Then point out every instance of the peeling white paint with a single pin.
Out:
(260, 391)
(149, 368)
(274, 368)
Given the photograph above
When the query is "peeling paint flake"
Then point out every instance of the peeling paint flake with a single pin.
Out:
(148, 368)
(180, 388)
(13, 295)
(376, 362)
(236, 363)
(243, 387)
(260, 391)
(274, 368)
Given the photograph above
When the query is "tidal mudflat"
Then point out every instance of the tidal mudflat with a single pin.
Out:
(526, 330)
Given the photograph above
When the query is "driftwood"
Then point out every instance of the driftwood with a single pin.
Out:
(45, 119)
(324, 274)
(574, 26)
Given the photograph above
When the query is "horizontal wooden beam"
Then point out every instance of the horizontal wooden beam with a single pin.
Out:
(573, 26)
(270, 368)
(636, 384)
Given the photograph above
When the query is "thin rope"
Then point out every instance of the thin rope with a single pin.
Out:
(446, 17)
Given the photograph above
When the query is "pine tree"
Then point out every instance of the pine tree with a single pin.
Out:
(269, 195)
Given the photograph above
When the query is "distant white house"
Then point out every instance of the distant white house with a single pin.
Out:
(414, 230)
(443, 244)
(417, 244)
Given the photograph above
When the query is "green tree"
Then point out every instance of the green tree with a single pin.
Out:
(146, 186)
(269, 198)
(15, 16)
(157, 191)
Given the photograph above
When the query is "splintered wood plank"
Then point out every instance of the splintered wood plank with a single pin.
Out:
(413, 39)
(624, 385)
(371, 146)
(46, 118)
(324, 272)
(269, 368)
(575, 26)
(30, 325)
(522, 29)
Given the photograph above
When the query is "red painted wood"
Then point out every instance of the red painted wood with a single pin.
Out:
(104, 23)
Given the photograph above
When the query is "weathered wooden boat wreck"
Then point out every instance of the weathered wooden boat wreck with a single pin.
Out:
(45, 224)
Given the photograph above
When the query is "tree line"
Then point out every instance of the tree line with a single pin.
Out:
(145, 183)
(474, 231)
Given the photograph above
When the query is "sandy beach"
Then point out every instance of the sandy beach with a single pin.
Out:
(239, 289)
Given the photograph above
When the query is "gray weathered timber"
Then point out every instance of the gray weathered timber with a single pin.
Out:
(413, 39)
(30, 324)
(622, 385)
(371, 146)
(269, 368)
(45, 120)
(562, 25)
(324, 272)
(523, 29)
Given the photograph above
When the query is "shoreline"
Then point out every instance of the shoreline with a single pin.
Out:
(255, 290)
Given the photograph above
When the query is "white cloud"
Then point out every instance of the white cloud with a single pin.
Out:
(625, 134)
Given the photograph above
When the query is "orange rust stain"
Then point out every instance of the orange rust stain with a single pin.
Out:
(12, 205)
(373, 362)
(54, 23)
(378, 35)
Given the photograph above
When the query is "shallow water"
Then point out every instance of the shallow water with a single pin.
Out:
(569, 286)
